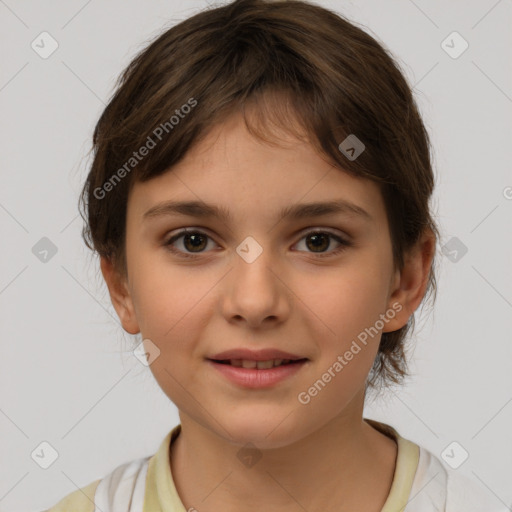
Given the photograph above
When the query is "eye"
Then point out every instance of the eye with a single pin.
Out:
(320, 240)
(193, 240)
(194, 243)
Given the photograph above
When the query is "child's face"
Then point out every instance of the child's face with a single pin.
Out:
(290, 297)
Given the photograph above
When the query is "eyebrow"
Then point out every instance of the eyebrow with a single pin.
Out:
(295, 211)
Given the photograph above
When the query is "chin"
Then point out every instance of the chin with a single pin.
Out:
(265, 431)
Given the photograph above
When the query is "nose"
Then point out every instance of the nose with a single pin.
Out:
(255, 291)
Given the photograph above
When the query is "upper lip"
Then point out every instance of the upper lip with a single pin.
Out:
(254, 355)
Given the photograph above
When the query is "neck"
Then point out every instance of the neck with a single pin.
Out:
(346, 464)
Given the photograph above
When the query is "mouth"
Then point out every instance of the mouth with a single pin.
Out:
(252, 374)
(259, 365)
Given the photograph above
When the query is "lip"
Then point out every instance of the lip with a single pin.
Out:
(254, 355)
(254, 378)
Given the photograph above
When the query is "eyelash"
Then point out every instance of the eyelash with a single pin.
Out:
(344, 243)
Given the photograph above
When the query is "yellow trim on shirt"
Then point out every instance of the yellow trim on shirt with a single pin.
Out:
(81, 500)
(407, 459)
(161, 494)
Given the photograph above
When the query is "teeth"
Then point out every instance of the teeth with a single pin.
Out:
(261, 365)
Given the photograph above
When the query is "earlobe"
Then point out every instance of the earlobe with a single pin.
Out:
(411, 282)
(120, 296)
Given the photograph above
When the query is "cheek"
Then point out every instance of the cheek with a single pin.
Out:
(173, 312)
(171, 304)
(349, 300)
(166, 311)
(349, 305)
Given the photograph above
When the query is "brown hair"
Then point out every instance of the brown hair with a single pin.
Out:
(330, 75)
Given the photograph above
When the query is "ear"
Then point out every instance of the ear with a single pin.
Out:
(120, 296)
(410, 284)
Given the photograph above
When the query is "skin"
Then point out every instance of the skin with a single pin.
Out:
(319, 456)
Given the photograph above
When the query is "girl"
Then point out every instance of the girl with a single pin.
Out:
(259, 199)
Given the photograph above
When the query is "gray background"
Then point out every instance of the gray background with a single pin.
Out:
(67, 374)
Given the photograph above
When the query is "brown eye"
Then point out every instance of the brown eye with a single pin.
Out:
(319, 241)
(193, 243)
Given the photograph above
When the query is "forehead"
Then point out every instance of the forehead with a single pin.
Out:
(246, 177)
